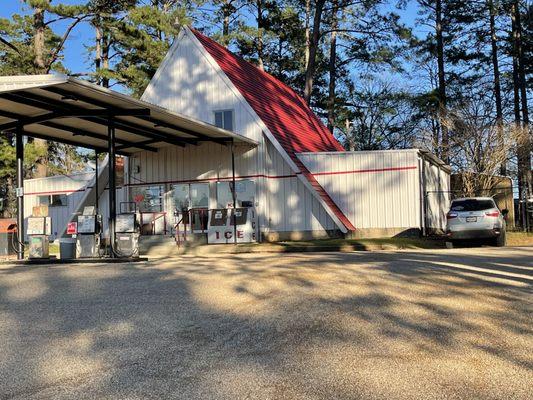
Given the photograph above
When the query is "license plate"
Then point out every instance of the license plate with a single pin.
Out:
(471, 219)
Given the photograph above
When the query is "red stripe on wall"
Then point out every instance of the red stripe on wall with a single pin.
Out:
(271, 176)
(64, 191)
(212, 179)
(54, 192)
(358, 171)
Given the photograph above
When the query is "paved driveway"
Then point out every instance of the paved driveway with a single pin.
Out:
(420, 325)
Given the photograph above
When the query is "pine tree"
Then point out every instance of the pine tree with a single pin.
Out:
(29, 45)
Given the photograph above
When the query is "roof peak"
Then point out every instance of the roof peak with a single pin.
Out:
(283, 111)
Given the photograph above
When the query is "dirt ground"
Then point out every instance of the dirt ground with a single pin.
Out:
(439, 324)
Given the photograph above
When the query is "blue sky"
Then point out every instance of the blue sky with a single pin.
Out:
(75, 53)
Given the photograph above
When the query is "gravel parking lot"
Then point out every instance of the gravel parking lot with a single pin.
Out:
(444, 324)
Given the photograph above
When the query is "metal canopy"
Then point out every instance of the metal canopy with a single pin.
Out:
(76, 112)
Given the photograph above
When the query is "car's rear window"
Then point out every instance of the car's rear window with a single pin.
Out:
(472, 205)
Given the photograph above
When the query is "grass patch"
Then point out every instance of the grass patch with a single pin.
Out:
(53, 249)
(519, 238)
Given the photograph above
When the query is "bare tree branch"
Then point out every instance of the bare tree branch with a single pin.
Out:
(10, 45)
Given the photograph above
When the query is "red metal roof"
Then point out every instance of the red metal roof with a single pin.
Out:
(283, 111)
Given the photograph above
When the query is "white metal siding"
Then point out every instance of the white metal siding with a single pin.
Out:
(75, 187)
(377, 189)
(71, 185)
(207, 163)
(188, 83)
(291, 206)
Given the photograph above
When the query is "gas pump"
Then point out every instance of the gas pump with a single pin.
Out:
(88, 233)
(127, 231)
(39, 230)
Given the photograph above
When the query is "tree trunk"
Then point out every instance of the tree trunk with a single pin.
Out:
(516, 85)
(307, 32)
(313, 47)
(260, 64)
(226, 14)
(524, 145)
(40, 67)
(497, 86)
(38, 40)
(521, 69)
(332, 67)
(106, 44)
(442, 81)
(98, 48)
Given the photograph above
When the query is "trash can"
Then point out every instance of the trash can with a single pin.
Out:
(8, 226)
(67, 248)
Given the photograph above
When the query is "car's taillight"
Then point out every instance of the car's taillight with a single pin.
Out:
(451, 215)
(492, 213)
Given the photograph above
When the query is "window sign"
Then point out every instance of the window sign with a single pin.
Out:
(224, 119)
(148, 198)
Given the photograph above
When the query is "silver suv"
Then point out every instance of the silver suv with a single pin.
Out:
(476, 218)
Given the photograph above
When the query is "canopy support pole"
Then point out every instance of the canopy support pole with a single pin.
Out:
(20, 191)
(233, 191)
(112, 185)
(96, 182)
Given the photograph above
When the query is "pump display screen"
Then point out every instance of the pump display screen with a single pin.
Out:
(36, 226)
(125, 223)
(39, 226)
(86, 223)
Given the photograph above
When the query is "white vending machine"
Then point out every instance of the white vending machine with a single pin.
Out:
(229, 225)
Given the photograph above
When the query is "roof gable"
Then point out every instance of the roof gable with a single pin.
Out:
(281, 109)
(286, 115)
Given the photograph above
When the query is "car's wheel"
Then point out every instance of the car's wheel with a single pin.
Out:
(501, 240)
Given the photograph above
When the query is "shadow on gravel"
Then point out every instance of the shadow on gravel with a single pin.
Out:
(206, 328)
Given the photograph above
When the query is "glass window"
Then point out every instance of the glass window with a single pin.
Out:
(43, 200)
(224, 119)
(194, 195)
(224, 196)
(180, 196)
(58, 200)
(244, 191)
(148, 198)
(199, 195)
(472, 205)
(219, 119)
(54, 200)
